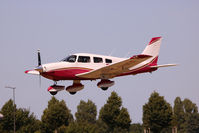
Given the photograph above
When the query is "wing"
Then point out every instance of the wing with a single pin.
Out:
(165, 65)
(115, 69)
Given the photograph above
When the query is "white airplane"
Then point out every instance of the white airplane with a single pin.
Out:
(83, 66)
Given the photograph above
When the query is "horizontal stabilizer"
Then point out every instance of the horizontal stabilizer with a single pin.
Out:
(165, 65)
(34, 72)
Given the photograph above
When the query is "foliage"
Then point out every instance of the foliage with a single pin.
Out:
(114, 115)
(113, 118)
(25, 122)
(192, 123)
(81, 128)
(85, 119)
(178, 115)
(86, 112)
(8, 120)
(136, 128)
(184, 115)
(157, 113)
(55, 115)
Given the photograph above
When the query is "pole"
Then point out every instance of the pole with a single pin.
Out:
(14, 125)
(14, 108)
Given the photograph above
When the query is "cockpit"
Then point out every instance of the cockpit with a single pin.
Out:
(86, 59)
(71, 58)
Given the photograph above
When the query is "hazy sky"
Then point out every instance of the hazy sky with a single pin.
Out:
(63, 27)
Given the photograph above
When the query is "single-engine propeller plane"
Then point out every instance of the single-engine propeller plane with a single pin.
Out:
(83, 66)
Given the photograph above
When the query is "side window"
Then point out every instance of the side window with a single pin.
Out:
(84, 59)
(97, 60)
(71, 58)
(108, 61)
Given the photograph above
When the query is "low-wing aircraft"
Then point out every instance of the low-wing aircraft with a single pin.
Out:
(84, 66)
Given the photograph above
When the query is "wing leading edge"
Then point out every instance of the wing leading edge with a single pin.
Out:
(115, 69)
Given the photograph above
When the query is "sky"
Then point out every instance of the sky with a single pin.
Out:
(120, 28)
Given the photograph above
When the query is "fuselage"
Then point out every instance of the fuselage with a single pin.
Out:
(68, 68)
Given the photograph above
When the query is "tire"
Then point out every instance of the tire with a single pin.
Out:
(72, 93)
(53, 92)
(104, 88)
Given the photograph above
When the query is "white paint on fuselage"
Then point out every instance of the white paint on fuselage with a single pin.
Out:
(89, 65)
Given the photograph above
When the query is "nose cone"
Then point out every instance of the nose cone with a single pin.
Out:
(39, 69)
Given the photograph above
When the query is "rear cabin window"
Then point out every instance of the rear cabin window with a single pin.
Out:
(84, 59)
(97, 60)
(108, 60)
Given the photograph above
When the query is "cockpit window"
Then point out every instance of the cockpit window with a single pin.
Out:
(97, 59)
(84, 59)
(71, 58)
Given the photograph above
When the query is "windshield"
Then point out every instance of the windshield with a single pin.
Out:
(71, 58)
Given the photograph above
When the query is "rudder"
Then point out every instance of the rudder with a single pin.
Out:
(153, 47)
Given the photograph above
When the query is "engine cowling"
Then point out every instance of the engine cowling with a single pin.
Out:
(105, 83)
(74, 88)
(55, 88)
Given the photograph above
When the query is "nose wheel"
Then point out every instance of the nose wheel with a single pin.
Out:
(53, 93)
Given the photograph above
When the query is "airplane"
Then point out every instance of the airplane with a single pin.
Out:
(84, 66)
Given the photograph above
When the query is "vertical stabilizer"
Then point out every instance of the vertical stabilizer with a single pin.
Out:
(153, 47)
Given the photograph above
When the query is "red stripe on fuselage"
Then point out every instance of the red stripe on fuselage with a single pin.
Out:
(65, 73)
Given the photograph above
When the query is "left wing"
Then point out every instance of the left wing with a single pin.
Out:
(115, 69)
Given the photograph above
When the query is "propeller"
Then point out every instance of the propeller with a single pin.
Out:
(39, 57)
(39, 66)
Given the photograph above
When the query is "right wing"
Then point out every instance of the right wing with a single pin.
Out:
(115, 69)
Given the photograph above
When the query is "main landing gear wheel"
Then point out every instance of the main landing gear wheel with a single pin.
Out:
(72, 93)
(53, 92)
(104, 88)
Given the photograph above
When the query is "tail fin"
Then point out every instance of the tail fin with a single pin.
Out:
(153, 47)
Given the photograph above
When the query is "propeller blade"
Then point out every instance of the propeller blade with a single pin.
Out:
(39, 57)
(40, 81)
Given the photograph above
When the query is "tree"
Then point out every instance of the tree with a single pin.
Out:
(8, 120)
(184, 115)
(189, 107)
(157, 113)
(55, 115)
(86, 112)
(178, 115)
(114, 116)
(25, 122)
(192, 123)
(136, 128)
(85, 119)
